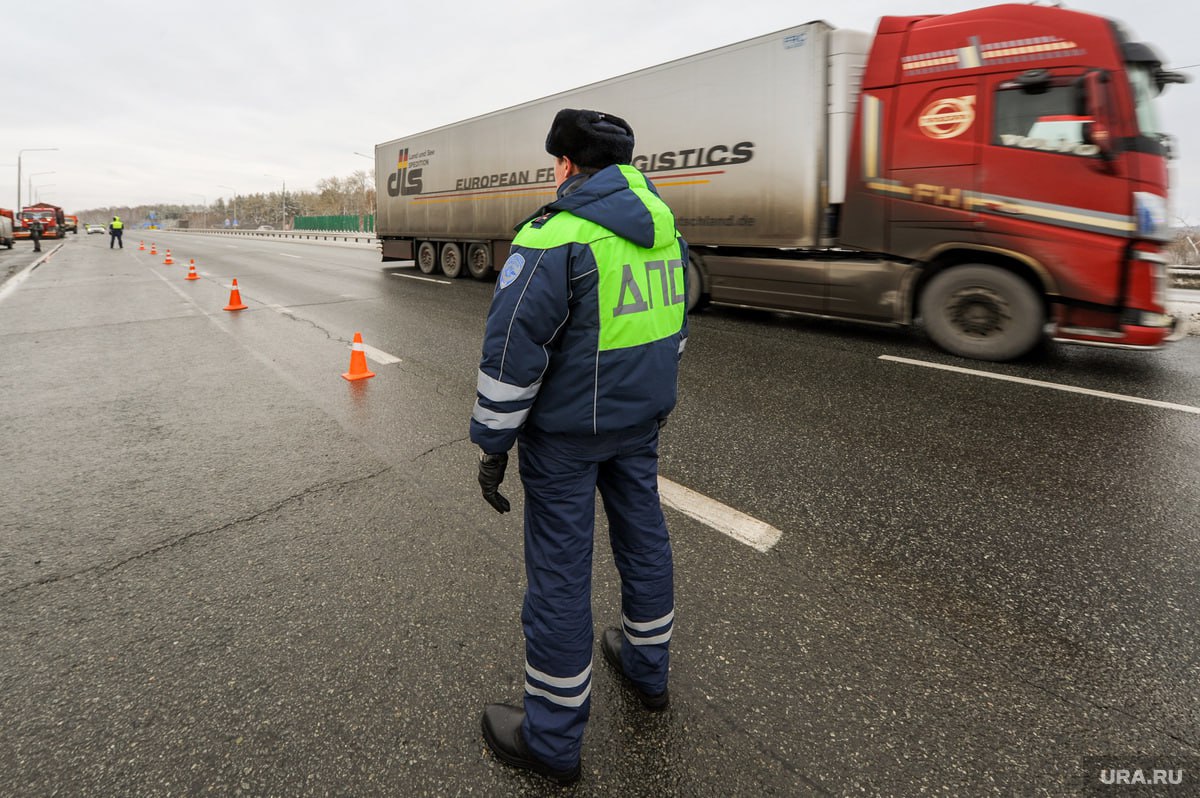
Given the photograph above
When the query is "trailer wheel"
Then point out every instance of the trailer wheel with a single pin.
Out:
(452, 261)
(479, 261)
(427, 257)
(982, 312)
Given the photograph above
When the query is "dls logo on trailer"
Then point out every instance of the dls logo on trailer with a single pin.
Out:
(406, 180)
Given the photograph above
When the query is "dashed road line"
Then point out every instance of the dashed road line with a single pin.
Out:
(379, 356)
(1042, 384)
(425, 279)
(743, 528)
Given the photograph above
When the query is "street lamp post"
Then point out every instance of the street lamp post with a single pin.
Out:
(282, 201)
(29, 184)
(234, 190)
(39, 191)
(19, 154)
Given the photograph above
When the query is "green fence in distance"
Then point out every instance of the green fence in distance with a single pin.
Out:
(343, 223)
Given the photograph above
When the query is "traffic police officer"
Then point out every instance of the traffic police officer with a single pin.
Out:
(35, 232)
(116, 229)
(580, 358)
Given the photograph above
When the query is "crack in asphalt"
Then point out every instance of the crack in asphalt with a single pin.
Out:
(433, 449)
(315, 326)
(104, 568)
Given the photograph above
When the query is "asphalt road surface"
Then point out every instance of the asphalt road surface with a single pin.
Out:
(226, 570)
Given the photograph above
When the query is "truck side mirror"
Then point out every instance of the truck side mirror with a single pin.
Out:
(1034, 81)
(1095, 91)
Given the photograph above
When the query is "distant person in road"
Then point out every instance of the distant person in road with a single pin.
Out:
(35, 232)
(580, 361)
(116, 229)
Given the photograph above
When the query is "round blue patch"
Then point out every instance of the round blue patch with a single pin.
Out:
(512, 269)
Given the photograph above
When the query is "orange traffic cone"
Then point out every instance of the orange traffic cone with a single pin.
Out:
(153, 251)
(168, 261)
(235, 298)
(191, 275)
(358, 361)
(141, 246)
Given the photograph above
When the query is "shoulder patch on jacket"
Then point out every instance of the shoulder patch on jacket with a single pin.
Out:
(512, 269)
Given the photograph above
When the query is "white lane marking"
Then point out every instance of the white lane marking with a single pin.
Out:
(232, 246)
(281, 309)
(1041, 384)
(756, 534)
(20, 276)
(379, 356)
(426, 279)
(284, 254)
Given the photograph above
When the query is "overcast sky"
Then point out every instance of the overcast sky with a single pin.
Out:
(164, 102)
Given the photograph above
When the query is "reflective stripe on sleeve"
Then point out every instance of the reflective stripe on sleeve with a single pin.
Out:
(682, 345)
(493, 420)
(497, 391)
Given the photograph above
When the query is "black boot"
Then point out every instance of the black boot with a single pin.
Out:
(610, 643)
(502, 733)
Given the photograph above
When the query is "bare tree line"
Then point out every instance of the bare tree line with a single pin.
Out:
(1185, 249)
(353, 195)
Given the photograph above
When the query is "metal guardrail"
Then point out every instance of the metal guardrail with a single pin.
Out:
(318, 235)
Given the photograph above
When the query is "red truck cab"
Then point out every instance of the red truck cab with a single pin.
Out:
(51, 216)
(1015, 152)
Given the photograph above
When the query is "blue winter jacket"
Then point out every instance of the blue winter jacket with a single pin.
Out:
(588, 320)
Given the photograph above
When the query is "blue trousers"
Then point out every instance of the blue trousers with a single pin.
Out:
(561, 474)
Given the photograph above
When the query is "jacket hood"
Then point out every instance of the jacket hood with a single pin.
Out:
(621, 199)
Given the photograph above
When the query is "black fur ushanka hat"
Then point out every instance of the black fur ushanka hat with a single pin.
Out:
(590, 138)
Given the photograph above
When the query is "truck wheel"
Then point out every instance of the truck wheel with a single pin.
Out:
(479, 261)
(697, 298)
(452, 262)
(982, 312)
(427, 257)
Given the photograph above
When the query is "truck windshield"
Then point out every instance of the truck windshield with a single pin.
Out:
(1045, 120)
(1145, 90)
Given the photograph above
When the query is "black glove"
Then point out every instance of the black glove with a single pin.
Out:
(491, 474)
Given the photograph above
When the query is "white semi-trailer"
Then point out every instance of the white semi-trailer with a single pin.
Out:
(747, 143)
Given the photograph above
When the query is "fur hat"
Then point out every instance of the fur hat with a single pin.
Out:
(590, 138)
